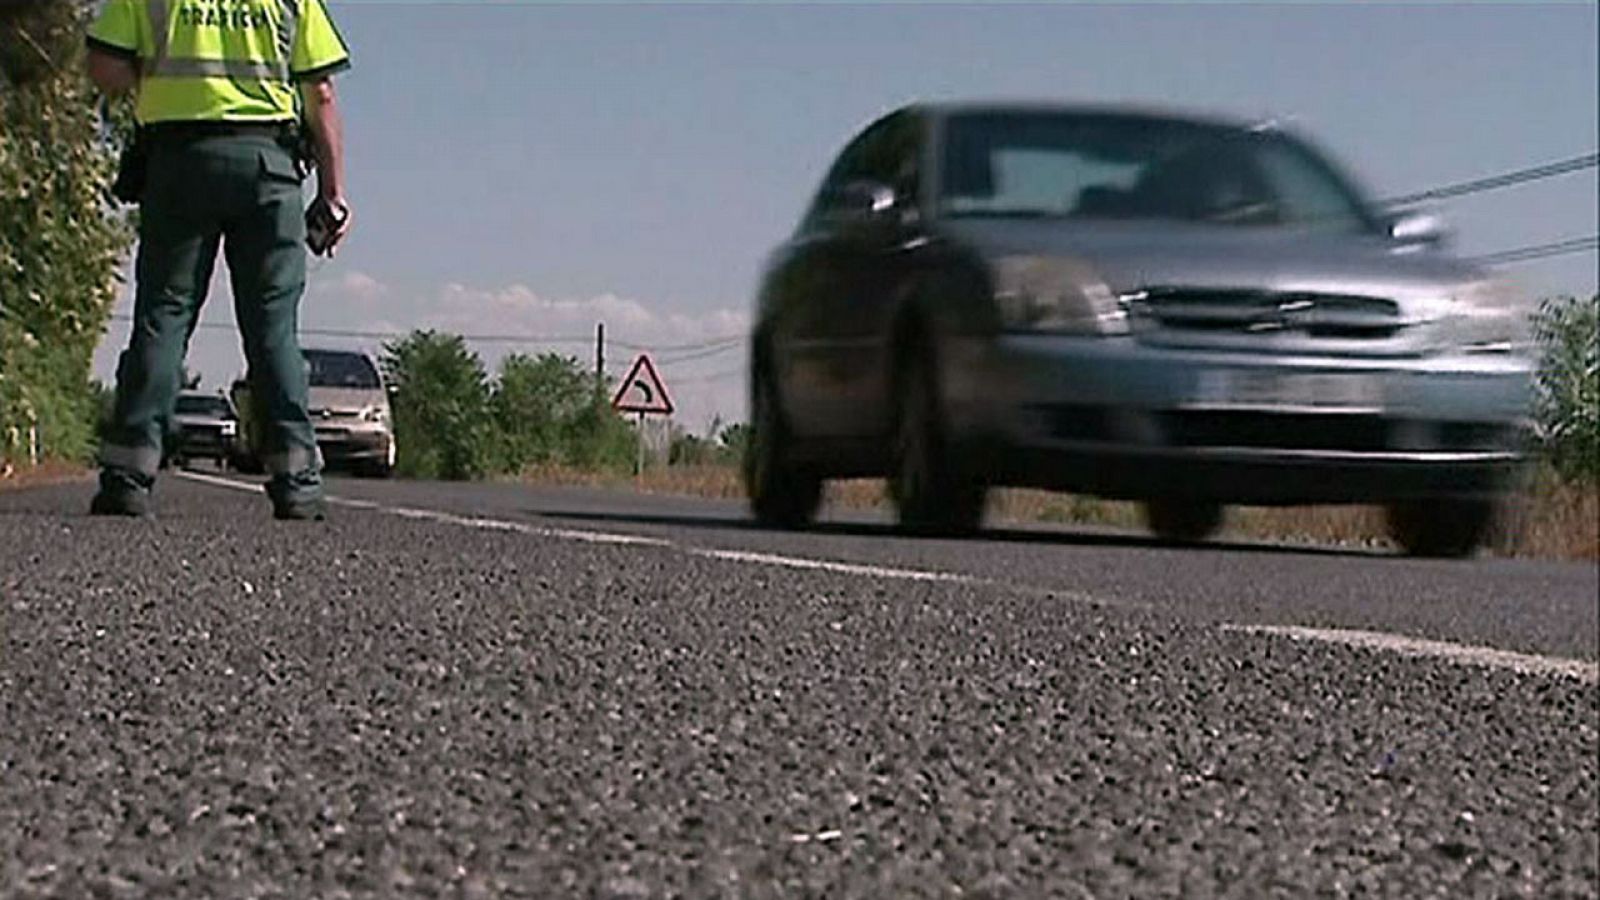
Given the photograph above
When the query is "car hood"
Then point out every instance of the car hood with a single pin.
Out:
(344, 400)
(1132, 256)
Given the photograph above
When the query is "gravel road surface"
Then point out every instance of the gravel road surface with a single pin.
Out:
(486, 691)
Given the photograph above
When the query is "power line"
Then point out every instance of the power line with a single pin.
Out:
(734, 344)
(1477, 185)
(699, 348)
(710, 377)
(1541, 251)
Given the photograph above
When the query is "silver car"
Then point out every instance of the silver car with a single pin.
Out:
(349, 408)
(1167, 308)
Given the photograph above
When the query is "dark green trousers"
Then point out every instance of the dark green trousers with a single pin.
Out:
(240, 194)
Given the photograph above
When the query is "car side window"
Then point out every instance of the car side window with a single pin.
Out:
(887, 152)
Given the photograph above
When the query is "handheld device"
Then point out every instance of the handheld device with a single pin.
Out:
(323, 221)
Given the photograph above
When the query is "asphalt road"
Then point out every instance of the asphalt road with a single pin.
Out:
(494, 691)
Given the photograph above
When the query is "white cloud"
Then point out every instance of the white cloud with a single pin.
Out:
(361, 287)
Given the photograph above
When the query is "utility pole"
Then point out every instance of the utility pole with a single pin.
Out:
(600, 359)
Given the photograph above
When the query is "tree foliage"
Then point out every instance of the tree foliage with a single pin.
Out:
(62, 240)
(452, 421)
(537, 403)
(442, 420)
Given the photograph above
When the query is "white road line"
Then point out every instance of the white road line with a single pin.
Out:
(802, 562)
(1464, 654)
(411, 512)
(219, 481)
(1459, 654)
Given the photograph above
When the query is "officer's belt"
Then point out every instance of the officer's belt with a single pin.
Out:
(179, 132)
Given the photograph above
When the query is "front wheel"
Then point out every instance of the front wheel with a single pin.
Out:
(782, 494)
(382, 468)
(1183, 521)
(932, 490)
(1444, 527)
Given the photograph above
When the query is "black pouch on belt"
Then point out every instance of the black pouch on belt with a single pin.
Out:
(132, 167)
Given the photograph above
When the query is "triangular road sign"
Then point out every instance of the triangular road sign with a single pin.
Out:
(643, 391)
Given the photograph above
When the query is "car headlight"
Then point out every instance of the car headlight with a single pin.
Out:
(375, 414)
(1487, 317)
(1046, 293)
(229, 429)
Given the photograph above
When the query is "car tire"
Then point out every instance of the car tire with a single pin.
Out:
(383, 468)
(933, 491)
(1442, 527)
(782, 494)
(1183, 521)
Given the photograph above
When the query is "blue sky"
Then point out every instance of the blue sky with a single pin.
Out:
(524, 168)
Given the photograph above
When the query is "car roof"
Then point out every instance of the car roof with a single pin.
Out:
(947, 108)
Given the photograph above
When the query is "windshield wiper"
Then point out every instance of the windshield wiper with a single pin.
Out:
(1257, 211)
(1016, 213)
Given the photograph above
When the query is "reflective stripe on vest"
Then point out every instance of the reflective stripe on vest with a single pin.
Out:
(287, 34)
(181, 67)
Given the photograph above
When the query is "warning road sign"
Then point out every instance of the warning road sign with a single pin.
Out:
(643, 391)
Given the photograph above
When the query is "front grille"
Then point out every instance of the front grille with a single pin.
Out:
(1350, 433)
(1277, 431)
(1256, 430)
(1266, 313)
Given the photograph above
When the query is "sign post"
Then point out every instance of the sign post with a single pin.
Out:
(643, 393)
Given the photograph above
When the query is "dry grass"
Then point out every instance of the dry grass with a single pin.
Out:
(48, 472)
(1552, 519)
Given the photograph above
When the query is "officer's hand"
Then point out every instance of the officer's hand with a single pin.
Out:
(328, 220)
(344, 218)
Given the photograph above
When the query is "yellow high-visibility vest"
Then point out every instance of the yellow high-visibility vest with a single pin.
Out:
(220, 60)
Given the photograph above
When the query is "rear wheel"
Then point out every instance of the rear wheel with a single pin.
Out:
(1444, 527)
(933, 492)
(782, 493)
(1183, 521)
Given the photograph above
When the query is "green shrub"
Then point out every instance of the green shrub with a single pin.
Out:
(62, 241)
(1568, 397)
(441, 404)
(536, 402)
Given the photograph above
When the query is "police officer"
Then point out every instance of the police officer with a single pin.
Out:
(222, 86)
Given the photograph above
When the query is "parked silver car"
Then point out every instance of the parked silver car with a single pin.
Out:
(1167, 308)
(349, 408)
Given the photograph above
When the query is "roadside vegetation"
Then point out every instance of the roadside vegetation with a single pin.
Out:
(63, 241)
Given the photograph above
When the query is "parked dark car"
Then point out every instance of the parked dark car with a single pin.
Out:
(204, 426)
(1168, 308)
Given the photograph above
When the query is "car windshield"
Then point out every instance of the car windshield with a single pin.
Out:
(204, 406)
(341, 370)
(1083, 166)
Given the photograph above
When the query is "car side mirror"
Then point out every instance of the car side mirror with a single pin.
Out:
(863, 203)
(1417, 229)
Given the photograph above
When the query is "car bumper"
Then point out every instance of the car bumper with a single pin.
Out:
(1114, 417)
(207, 442)
(342, 444)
